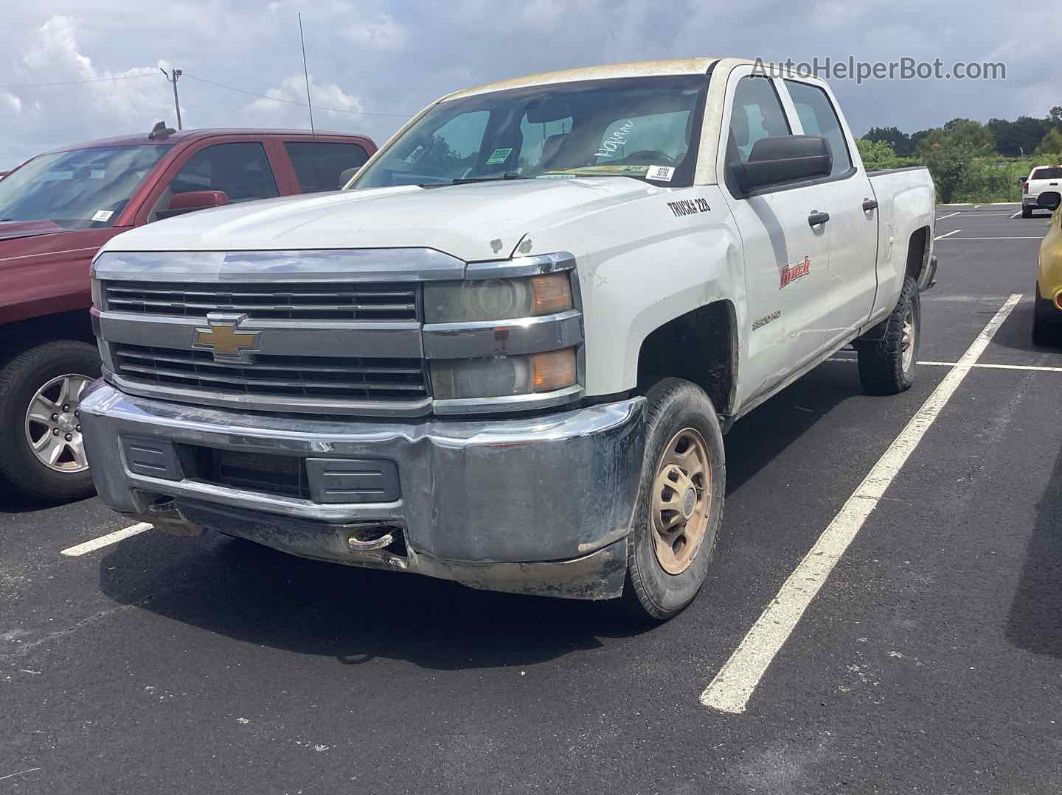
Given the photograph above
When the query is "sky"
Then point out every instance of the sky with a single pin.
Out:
(372, 63)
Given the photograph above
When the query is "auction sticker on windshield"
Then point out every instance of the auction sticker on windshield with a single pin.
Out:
(499, 156)
(660, 173)
(103, 215)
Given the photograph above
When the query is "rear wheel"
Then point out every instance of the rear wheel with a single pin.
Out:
(887, 354)
(41, 451)
(680, 504)
(1026, 212)
(1044, 332)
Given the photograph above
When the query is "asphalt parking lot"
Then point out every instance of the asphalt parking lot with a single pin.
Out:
(929, 660)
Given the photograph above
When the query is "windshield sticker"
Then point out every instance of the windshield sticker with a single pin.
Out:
(660, 173)
(103, 215)
(499, 156)
(616, 139)
(415, 154)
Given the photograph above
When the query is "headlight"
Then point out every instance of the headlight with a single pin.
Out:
(97, 293)
(503, 376)
(496, 299)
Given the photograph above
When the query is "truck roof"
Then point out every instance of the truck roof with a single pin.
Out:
(674, 66)
(186, 136)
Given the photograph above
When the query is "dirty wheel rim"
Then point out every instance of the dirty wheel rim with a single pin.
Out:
(53, 424)
(682, 494)
(907, 340)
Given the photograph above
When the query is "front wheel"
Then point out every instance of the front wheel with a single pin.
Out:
(887, 353)
(680, 503)
(41, 451)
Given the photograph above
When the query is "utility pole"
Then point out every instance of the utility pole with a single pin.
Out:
(176, 99)
(306, 74)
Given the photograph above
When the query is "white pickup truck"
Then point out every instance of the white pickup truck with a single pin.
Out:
(506, 354)
(1042, 179)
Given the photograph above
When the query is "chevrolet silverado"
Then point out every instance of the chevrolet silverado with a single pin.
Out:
(506, 354)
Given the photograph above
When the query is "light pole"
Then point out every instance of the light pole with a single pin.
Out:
(176, 100)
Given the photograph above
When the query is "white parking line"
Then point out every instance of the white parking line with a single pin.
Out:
(1005, 237)
(1016, 214)
(947, 234)
(107, 540)
(733, 685)
(950, 215)
(989, 366)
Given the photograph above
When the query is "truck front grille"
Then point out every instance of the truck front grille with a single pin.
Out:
(337, 378)
(293, 301)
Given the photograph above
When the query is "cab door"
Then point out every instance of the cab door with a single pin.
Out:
(786, 258)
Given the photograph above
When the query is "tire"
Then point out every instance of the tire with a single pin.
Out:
(680, 417)
(1026, 212)
(888, 352)
(1043, 332)
(48, 367)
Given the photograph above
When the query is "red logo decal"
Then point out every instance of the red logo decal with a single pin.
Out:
(791, 273)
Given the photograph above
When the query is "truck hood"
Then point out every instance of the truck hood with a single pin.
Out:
(11, 230)
(477, 221)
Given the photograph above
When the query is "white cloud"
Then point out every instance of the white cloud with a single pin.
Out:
(13, 103)
(287, 103)
(381, 33)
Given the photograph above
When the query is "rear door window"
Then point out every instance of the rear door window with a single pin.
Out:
(1047, 173)
(318, 164)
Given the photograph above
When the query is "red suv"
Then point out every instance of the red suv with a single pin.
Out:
(57, 209)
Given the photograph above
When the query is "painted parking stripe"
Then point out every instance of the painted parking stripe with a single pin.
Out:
(1015, 214)
(731, 688)
(978, 366)
(947, 234)
(1005, 237)
(950, 215)
(107, 540)
(990, 366)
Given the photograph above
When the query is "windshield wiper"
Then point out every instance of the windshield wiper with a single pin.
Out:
(507, 175)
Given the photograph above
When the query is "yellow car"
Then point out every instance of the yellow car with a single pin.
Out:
(1047, 320)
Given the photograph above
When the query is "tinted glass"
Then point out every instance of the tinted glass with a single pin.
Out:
(82, 189)
(608, 128)
(240, 170)
(1047, 173)
(318, 164)
(757, 114)
(818, 117)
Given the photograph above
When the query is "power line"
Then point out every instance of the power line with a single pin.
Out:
(292, 101)
(75, 82)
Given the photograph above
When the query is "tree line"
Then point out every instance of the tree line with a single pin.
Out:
(971, 161)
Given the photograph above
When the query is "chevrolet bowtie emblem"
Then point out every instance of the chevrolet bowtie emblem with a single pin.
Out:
(224, 340)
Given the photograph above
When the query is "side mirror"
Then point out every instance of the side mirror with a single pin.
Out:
(1021, 180)
(1049, 200)
(182, 203)
(783, 158)
(346, 175)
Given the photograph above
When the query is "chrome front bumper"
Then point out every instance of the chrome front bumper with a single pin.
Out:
(529, 505)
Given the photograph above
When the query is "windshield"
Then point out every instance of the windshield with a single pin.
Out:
(81, 189)
(1047, 173)
(637, 127)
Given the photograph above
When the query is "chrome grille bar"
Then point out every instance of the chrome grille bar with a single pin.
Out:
(353, 378)
(295, 301)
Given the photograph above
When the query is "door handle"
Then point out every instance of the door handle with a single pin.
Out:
(869, 204)
(816, 218)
